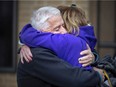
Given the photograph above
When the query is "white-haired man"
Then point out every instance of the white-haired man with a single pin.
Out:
(46, 69)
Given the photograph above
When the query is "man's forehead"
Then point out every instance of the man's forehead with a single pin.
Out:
(55, 20)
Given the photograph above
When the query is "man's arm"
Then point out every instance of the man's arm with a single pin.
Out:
(48, 67)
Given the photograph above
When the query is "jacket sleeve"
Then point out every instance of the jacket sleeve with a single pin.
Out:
(48, 67)
(34, 38)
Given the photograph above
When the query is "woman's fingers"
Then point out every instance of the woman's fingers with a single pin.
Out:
(21, 58)
(25, 54)
(88, 57)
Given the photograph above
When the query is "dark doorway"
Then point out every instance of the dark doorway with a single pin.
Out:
(8, 35)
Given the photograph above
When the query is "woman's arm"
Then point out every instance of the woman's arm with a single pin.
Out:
(33, 38)
(61, 44)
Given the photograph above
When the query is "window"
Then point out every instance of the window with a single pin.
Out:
(106, 28)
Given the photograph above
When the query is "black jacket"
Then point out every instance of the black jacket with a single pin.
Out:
(47, 70)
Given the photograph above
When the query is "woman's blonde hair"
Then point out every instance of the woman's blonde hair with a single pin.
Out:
(73, 17)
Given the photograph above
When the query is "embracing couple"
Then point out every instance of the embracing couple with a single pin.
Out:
(58, 50)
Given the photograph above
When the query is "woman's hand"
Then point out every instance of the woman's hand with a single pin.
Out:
(88, 57)
(25, 54)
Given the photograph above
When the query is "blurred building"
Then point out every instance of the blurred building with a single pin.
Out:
(15, 14)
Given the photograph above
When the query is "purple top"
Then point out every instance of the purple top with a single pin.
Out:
(66, 46)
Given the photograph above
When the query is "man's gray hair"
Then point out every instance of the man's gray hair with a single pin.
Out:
(40, 17)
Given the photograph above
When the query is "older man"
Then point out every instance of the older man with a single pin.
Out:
(46, 69)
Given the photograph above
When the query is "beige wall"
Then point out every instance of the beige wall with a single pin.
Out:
(25, 10)
(26, 7)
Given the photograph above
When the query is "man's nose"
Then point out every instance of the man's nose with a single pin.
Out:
(63, 30)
